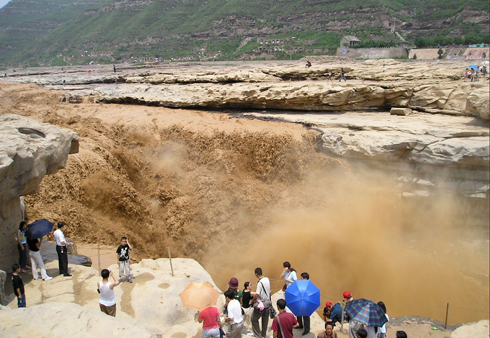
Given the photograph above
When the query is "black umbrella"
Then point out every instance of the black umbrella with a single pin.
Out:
(39, 229)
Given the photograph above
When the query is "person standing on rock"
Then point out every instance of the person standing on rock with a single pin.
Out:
(354, 325)
(284, 323)
(342, 75)
(123, 259)
(263, 294)
(18, 285)
(288, 274)
(22, 245)
(211, 322)
(304, 321)
(107, 301)
(234, 315)
(36, 259)
(61, 250)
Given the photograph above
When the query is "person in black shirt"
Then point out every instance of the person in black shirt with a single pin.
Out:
(18, 286)
(123, 259)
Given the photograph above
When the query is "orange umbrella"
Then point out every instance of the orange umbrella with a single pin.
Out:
(199, 296)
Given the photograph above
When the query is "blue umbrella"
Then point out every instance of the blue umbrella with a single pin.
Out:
(303, 297)
(39, 229)
(473, 67)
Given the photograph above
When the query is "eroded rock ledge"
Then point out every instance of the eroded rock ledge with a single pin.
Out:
(28, 151)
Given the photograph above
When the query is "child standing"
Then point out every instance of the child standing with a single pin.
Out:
(18, 286)
(123, 259)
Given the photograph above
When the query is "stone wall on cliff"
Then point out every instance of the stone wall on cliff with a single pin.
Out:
(373, 53)
(28, 151)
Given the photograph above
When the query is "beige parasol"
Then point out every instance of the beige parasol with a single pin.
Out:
(199, 296)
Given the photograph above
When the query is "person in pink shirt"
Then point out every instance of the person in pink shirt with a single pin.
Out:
(211, 322)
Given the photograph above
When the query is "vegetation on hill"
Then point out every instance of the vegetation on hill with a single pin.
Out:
(58, 32)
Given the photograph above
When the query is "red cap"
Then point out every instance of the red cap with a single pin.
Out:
(328, 304)
(347, 294)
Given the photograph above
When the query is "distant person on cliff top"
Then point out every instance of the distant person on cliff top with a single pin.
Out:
(107, 301)
(114, 67)
(332, 313)
(123, 259)
(329, 75)
(329, 332)
(342, 75)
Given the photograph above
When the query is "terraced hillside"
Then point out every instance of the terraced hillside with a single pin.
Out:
(62, 32)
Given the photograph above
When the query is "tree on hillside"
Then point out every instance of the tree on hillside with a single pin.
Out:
(440, 52)
(414, 56)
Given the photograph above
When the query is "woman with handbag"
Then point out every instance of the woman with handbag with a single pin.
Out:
(289, 275)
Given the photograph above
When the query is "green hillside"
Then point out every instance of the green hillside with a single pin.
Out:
(58, 32)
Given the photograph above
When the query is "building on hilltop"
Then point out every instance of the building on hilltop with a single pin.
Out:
(349, 41)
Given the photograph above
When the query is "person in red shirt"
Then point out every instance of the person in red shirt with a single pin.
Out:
(287, 321)
(212, 323)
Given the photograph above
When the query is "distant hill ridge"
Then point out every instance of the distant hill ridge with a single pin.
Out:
(60, 32)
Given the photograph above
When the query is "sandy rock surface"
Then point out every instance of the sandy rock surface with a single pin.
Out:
(63, 319)
(474, 330)
(436, 87)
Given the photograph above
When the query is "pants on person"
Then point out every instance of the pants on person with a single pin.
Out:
(3, 279)
(235, 330)
(62, 260)
(248, 316)
(37, 262)
(22, 255)
(211, 333)
(342, 77)
(304, 322)
(108, 310)
(124, 270)
(264, 314)
(21, 301)
(354, 325)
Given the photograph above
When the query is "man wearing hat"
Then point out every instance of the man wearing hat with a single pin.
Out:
(354, 325)
(332, 313)
(61, 250)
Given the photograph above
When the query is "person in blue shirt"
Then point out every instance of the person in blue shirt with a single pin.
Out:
(332, 313)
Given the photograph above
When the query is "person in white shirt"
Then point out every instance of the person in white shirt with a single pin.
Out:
(107, 301)
(61, 250)
(235, 315)
(263, 293)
